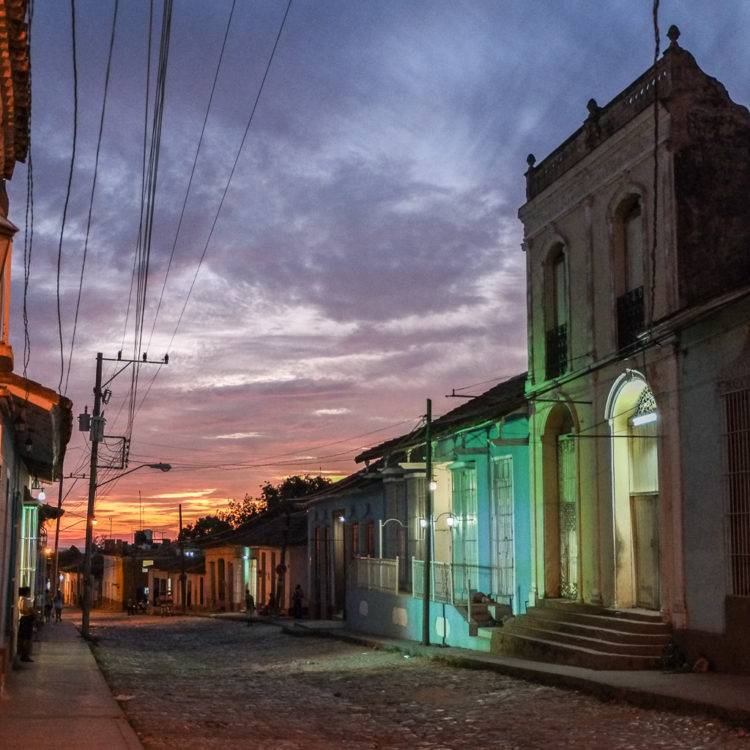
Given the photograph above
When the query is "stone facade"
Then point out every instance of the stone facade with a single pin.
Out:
(636, 234)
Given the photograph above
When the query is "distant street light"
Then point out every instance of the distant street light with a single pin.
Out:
(90, 522)
(160, 467)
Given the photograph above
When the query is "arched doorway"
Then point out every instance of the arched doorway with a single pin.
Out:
(561, 538)
(633, 420)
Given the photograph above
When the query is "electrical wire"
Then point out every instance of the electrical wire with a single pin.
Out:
(93, 190)
(27, 245)
(150, 202)
(655, 221)
(68, 188)
(232, 171)
(134, 412)
(193, 168)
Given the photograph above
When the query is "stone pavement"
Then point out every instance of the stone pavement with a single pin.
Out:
(61, 699)
(722, 695)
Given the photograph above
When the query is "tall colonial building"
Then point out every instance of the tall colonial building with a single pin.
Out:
(637, 240)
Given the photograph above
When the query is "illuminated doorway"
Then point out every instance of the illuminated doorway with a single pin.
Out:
(633, 420)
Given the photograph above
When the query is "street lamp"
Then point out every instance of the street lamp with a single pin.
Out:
(160, 467)
(90, 521)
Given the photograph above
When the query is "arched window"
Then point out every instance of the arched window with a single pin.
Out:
(629, 247)
(556, 313)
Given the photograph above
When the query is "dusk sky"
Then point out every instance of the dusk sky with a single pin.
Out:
(347, 253)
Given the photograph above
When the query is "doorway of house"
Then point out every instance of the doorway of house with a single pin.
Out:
(633, 421)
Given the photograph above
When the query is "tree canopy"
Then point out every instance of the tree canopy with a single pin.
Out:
(205, 526)
(273, 499)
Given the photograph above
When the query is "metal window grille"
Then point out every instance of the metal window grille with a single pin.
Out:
(568, 510)
(736, 413)
(556, 362)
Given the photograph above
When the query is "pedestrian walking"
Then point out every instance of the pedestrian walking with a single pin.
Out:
(58, 603)
(297, 596)
(25, 623)
(47, 607)
(249, 607)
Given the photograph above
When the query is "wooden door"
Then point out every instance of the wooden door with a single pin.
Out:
(645, 515)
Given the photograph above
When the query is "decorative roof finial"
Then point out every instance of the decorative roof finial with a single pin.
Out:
(531, 160)
(673, 35)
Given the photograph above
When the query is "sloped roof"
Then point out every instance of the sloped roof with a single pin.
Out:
(497, 402)
(285, 528)
(358, 480)
(43, 423)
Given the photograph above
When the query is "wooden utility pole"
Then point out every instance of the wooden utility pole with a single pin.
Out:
(427, 588)
(97, 432)
(183, 576)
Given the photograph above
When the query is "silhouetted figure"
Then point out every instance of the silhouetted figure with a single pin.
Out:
(58, 603)
(297, 596)
(25, 623)
(47, 607)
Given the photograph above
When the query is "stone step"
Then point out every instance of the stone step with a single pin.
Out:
(598, 629)
(567, 605)
(587, 635)
(541, 649)
(609, 644)
(608, 619)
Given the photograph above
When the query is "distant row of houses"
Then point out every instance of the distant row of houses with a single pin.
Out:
(600, 502)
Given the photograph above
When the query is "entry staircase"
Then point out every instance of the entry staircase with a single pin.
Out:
(564, 632)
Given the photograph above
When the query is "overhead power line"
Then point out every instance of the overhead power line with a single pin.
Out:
(93, 191)
(232, 171)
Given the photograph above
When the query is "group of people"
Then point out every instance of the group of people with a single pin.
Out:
(270, 608)
(27, 614)
(56, 604)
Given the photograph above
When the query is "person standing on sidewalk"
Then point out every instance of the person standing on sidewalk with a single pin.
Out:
(25, 623)
(249, 607)
(47, 606)
(297, 602)
(58, 602)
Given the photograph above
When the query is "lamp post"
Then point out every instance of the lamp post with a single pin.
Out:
(90, 520)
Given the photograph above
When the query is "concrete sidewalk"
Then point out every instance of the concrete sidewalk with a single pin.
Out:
(724, 696)
(61, 699)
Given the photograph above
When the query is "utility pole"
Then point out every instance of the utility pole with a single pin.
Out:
(96, 432)
(183, 576)
(428, 536)
(55, 572)
(96, 435)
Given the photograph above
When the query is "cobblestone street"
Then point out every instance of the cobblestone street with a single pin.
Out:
(207, 683)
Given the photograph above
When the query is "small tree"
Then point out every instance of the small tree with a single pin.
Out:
(242, 511)
(276, 498)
